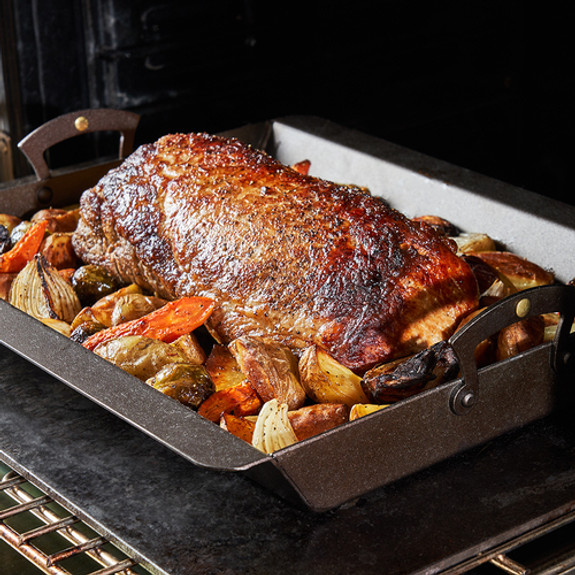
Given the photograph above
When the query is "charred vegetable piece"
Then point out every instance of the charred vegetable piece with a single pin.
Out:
(189, 384)
(143, 357)
(239, 400)
(171, 321)
(93, 282)
(5, 243)
(85, 329)
(325, 380)
(40, 291)
(271, 369)
(401, 378)
(27, 247)
(314, 419)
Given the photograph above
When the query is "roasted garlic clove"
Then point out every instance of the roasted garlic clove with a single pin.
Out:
(40, 291)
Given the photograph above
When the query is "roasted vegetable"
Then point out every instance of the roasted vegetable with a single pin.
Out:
(19, 231)
(58, 251)
(6, 280)
(93, 282)
(26, 248)
(271, 369)
(361, 409)
(273, 430)
(241, 399)
(314, 419)
(189, 384)
(400, 378)
(133, 306)
(5, 243)
(520, 336)
(190, 348)
(41, 292)
(171, 321)
(9, 222)
(520, 272)
(223, 368)
(241, 427)
(325, 380)
(141, 356)
(438, 223)
(58, 220)
(474, 242)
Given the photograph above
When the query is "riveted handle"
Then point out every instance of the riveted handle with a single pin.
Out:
(64, 127)
(527, 303)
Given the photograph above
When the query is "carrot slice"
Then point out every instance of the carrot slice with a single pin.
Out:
(241, 399)
(27, 247)
(167, 323)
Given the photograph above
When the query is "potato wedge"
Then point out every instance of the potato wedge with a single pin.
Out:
(190, 348)
(58, 250)
(271, 368)
(59, 220)
(314, 419)
(520, 272)
(223, 367)
(361, 409)
(325, 380)
(239, 400)
(520, 336)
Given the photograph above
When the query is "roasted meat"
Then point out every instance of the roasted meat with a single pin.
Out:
(285, 255)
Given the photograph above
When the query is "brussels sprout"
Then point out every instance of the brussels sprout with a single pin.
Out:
(189, 384)
(92, 282)
(134, 306)
(141, 356)
(84, 330)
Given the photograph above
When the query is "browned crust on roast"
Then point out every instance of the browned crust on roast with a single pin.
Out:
(285, 255)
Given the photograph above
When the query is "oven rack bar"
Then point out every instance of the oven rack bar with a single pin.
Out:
(62, 526)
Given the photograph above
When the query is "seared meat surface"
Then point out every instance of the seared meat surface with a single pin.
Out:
(285, 255)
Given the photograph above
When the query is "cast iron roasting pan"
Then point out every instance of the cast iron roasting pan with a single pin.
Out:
(340, 465)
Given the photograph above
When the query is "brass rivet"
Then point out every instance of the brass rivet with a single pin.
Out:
(523, 307)
(81, 123)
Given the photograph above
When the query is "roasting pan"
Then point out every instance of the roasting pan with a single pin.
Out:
(325, 471)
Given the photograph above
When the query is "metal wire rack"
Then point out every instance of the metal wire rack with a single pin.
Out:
(35, 526)
(53, 539)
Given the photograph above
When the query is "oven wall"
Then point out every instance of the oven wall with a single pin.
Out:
(476, 83)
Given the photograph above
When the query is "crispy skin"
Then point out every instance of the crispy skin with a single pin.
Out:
(285, 255)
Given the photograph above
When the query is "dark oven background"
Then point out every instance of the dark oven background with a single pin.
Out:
(485, 85)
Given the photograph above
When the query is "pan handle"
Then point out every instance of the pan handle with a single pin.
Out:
(527, 303)
(64, 127)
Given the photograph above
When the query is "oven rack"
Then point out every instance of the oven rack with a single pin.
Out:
(36, 526)
(556, 538)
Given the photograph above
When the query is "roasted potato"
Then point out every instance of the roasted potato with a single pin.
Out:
(9, 222)
(58, 250)
(190, 348)
(325, 380)
(271, 368)
(520, 336)
(189, 384)
(141, 356)
(223, 367)
(520, 272)
(474, 242)
(361, 409)
(314, 419)
(6, 279)
(59, 220)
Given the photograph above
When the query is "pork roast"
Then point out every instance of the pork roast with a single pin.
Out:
(287, 256)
